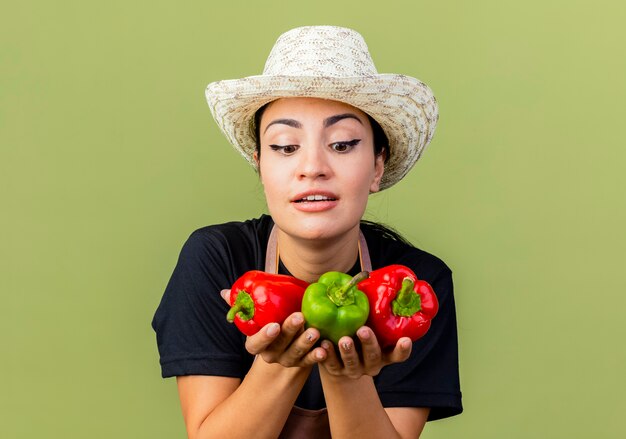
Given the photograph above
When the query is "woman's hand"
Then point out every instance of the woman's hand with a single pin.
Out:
(369, 360)
(289, 345)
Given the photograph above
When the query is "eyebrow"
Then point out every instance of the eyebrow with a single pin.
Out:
(329, 121)
(290, 122)
(334, 119)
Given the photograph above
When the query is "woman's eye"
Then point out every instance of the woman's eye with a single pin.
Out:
(284, 149)
(344, 146)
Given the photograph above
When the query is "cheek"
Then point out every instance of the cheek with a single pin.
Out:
(271, 179)
(363, 175)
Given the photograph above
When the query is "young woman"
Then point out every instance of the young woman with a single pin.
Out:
(324, 130)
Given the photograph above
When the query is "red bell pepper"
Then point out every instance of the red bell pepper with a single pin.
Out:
(400, 304)
(258, 298)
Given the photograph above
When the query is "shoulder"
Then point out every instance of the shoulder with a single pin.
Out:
(388, 247)
(234, 230)
(235, 234)
(230, 248)
(430, 377)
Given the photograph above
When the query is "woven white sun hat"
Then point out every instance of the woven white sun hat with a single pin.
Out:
(333, 63)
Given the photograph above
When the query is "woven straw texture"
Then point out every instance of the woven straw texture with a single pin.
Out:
(331, 63)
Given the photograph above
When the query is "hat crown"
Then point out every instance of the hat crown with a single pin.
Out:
(324, 51)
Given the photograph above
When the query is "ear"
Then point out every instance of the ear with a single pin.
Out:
(255, 156)
(379, 170)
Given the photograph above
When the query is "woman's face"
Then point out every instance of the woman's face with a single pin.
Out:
(317, 166)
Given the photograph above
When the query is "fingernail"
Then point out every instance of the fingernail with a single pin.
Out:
(326, 345)
(405, 344)
(346, 346)
(297, 319)
(364, 334)
(272, 329)
(309, 336)
(319, 355)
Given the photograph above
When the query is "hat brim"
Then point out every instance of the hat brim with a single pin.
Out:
(404, 107)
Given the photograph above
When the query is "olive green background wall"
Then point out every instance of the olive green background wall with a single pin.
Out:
(110, 159)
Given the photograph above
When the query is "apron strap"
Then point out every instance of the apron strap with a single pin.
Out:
(303, 423)
(364, 254)
(272, 254)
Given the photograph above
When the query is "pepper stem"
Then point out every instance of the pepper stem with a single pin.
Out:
(344, 295)
(243, 306)
(407, 301)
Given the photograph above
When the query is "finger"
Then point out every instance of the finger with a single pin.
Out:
(225, 295)
(349, 356)
(292, 327)
(301, 346)
(316, 355)
(258, 342)
(331, 363)
(401, 351)
(372, 355)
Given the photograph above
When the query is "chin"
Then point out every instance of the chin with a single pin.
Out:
(317, 227)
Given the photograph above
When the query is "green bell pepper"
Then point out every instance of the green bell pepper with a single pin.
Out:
(335, 306)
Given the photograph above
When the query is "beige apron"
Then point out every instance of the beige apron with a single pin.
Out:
(302, 423)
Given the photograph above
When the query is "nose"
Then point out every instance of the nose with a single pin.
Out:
(314, 164)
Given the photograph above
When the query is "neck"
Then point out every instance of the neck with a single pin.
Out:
(309, 259)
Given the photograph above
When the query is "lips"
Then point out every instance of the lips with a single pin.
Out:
(314, 197)
(315, 201)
